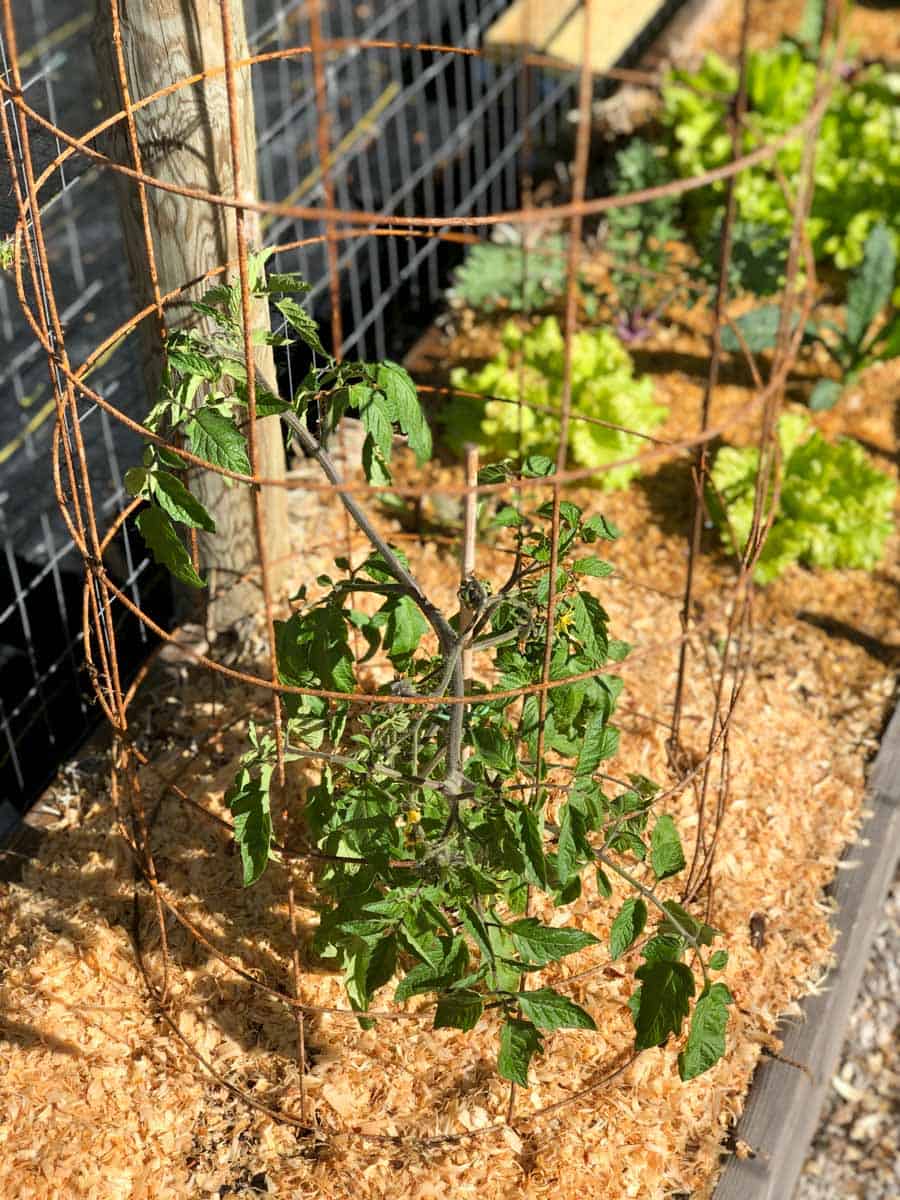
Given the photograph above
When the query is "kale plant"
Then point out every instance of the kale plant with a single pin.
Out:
(638, 238)
(871, 330)
(432, 823)
(514, 277)
(757, 263)
(509, 276)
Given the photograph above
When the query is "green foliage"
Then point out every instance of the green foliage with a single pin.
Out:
(706, 1040)
(432, 824)
(835, 509)
(857, 168)
(758, 257)
(666, 855)
(871, 330)
(638, 238)
(202, 400)
(530, 364)
(666, 990)
(509, 276)
(628, 926)
(166, 546)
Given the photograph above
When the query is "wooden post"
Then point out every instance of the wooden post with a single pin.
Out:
(467, 557)
(184, 139)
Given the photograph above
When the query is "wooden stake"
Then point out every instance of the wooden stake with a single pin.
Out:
(470, 526)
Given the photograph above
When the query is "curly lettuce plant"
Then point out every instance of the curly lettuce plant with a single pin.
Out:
(835, 509)
(857, 169)
(432, 824)
(529, 365)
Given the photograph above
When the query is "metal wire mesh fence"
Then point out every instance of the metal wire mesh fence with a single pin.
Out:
(376, 223)
(411, 131)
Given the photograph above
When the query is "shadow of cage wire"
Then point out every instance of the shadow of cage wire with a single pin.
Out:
(270, 973)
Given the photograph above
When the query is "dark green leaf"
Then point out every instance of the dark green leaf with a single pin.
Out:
(663, 946)
(519, 1042)
(666, 855)
(459, 1009)
(587, 634)
(702, 933)
(573, 845)
(166, 546)
(136, 480)
(628, 926)
(666, 990)
(592, 566)
(404, 408)
(706, 1040)
(628, 842)
(428, 978)
(870, 288)
(604, 887)
(405, 627)
(537, 466)
(188, 360)
(382, 964)
(312, 650)
(719, 960)
(248, 799)
(825, 395)
(357, 956)
(218, 440)
(600, 742)
(476, 927)
(495, 472)
(300, 320)
(568, 893)
(376, 569)
(171, 495)
(373, 412)
(532, 846)
(549, 1010)
(759, 328)
(507, 517)
(569, 512)
(543, 944)
(374, 465)
(599, 527)
(496, 750)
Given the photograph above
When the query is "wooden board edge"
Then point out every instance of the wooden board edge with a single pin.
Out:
(784, 1104)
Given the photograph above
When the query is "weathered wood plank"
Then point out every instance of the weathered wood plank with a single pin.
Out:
(784, 1104)
(548, 27)
(184, 139)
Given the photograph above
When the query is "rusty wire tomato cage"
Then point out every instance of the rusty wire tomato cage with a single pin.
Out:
(708, 777)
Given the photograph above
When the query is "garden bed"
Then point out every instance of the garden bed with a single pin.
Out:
(106, 1094)
(103, 1098)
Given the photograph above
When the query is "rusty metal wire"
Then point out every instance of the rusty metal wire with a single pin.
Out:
(708, 777)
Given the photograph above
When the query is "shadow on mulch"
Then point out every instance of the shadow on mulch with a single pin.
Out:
(670, 494)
